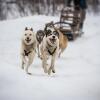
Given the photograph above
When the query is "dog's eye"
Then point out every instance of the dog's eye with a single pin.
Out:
(55, 33)
(49, 31)
(30, 34)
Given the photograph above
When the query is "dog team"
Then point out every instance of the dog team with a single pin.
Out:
(47, 43)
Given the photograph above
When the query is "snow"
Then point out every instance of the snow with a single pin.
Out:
(77, 74)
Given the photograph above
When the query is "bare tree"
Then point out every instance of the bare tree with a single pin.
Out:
(47, 7)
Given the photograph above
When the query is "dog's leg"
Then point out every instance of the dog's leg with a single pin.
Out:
(39, 53)
(23, 61)
(22, 64)
(52, 65)
(38, 50)
(61, 51)
(44, 63)
(30, 60)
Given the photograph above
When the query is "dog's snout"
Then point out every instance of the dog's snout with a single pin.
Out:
(27, 38)
(53, 37)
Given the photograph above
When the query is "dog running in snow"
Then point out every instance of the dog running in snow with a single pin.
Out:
(49, 48)
(63, 40)
(28, 48)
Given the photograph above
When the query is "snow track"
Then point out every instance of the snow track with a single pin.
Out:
(77, 74)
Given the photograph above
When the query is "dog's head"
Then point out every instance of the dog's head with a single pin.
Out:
(51, 34)
(39, 36)
(28, 36)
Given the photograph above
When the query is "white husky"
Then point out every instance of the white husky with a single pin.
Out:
(28, 48)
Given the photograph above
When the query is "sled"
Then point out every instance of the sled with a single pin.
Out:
(69, 23)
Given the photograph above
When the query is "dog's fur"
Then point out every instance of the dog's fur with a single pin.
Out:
(39, 36)
(28, 48)
(63, 42)
(49, 47)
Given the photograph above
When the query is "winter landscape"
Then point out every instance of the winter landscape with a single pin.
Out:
(77, 74)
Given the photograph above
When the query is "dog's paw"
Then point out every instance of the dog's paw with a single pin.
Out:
(53, 71)
(40, 57)
(45, 71)
(59, 55)
(29, 73)
(22, 66)
(49, 71)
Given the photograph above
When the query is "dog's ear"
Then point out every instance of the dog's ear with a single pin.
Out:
(26, 28)
(45, 28)
(45, 32)
(50, 24)
(31, 29)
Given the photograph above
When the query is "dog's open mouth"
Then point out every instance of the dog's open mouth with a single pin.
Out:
(52, 40)
(28, 40)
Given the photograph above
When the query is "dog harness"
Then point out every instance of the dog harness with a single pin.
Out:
(27, 52)
(49, 51)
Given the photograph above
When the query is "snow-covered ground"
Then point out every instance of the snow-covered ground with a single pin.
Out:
(77, 74)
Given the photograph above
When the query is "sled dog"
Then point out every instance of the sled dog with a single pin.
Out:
(28, 48)
(63, 40)
(49, 48)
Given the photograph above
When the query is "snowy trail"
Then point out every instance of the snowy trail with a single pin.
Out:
(77, 71)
